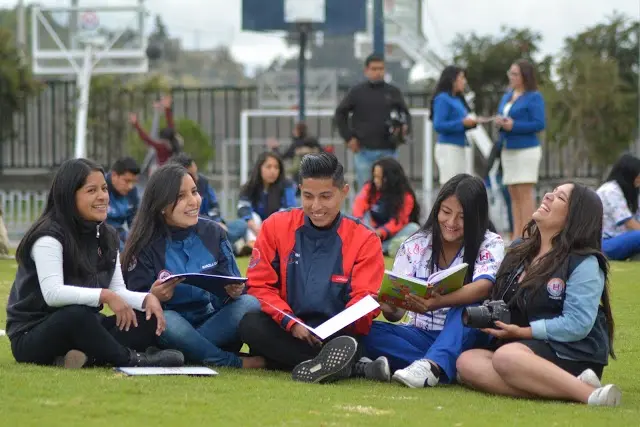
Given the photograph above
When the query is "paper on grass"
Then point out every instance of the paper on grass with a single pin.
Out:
(341, 320)
(2, 333)
(184, 370)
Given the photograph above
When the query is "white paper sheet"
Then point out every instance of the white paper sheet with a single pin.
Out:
(2, 333)
(341, 320)
(184, 370)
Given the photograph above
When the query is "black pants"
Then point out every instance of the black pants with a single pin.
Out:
(78, 327)
(266, 338)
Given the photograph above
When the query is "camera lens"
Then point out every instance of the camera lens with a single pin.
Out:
(477, 317)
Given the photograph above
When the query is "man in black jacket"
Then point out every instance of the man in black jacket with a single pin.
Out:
(373, 105)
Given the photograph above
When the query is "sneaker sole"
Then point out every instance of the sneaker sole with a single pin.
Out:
(402, 381)
(332, 363)
(614, 397)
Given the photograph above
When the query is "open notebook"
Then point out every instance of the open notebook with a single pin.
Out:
(184, 370)
(395, 287)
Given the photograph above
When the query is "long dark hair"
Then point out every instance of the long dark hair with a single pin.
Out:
(61, 213)
(472, 195)
(445, 84)
(162, 190)
(254, 188)
(581, 235)
(395, 185)
(528, 73)
(624, 172)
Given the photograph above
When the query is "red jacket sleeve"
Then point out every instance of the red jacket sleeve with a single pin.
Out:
(264, 277)
(160, 147)
(394, 226)
(366, 278)
(361, 203)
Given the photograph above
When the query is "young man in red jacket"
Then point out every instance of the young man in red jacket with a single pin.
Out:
(309, 264)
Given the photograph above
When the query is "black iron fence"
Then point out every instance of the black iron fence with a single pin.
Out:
(45, 130)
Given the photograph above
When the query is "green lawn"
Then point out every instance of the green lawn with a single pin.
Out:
(35, 396)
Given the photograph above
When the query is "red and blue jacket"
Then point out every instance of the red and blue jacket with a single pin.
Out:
(382, 219)
(313, 274)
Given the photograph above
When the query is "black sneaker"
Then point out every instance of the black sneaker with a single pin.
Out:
(377, 370)
(334, 362)
(156, 358)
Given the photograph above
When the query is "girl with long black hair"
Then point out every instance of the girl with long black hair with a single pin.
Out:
(266, 192)
(423, 351)
(68, 269)
(390, 204)
(554, 282)
(619, 195)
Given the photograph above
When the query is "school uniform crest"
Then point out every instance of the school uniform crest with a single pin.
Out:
(555, 288)
(132, 264)
(255, 257)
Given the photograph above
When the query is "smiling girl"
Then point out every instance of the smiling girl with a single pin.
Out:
(169, 238)
(68, 269)
(423, 352)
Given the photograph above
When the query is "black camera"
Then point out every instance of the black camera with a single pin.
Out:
(486, 315)
(395, 123)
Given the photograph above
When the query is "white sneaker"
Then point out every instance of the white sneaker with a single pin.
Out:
(590, 377)
(417, 375)
(609, 395)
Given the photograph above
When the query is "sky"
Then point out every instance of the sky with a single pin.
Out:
(208, 23)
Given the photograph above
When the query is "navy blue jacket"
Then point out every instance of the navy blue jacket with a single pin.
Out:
(287, 200)
(187, 250)
(122, 209)
(210, 208)
(528, 117)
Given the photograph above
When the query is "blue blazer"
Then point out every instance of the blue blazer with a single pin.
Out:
(448, 113)
(528, 117)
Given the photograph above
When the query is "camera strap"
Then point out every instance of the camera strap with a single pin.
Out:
(515, 274)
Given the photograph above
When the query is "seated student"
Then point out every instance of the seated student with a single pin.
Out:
(68, 268)
(210, 208)
(554, 283)
(168, 237)
(423, 352)
(169, 142)
(619, 195)
(123, 196)
(301, 144)
(312, 263)
(390, 203)
(266, 192)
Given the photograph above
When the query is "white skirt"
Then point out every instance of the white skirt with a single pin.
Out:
(451, 161)
(520, 166)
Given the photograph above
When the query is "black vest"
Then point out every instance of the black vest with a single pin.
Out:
(26, 307)
(546, 302)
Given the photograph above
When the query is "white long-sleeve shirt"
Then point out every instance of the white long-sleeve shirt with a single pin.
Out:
(47, 255)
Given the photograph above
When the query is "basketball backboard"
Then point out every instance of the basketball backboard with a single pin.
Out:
(116, 34)
(341, 17)
(279, 89)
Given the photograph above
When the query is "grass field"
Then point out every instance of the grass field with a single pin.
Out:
(38, 396)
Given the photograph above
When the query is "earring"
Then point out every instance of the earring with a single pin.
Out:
(162, 212)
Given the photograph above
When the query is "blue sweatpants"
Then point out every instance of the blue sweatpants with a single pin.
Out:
(623, 246)
(403, 345)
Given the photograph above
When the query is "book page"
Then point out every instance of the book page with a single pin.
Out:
(184, 370)
(442, 274)
(346, 317)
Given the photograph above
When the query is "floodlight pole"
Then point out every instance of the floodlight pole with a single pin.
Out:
(303, 29)
(82, 105)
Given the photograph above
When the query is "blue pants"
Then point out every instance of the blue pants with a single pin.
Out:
(623, 246)
(403, 345)
(237, 230)
(201, 334)
(364, 160)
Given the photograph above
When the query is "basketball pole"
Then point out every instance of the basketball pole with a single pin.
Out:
(303, 30)
(378, 27)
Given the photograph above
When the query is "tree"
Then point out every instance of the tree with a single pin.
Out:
(16, 82)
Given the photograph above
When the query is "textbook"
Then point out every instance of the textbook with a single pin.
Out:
(396, 286)
(184, 370)
(341, 320)
(212, 283)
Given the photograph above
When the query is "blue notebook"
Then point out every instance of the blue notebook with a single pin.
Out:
(212, 283)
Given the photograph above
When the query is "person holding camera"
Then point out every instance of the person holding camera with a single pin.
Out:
(550, 314)
(423, 351)
(380, 120)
